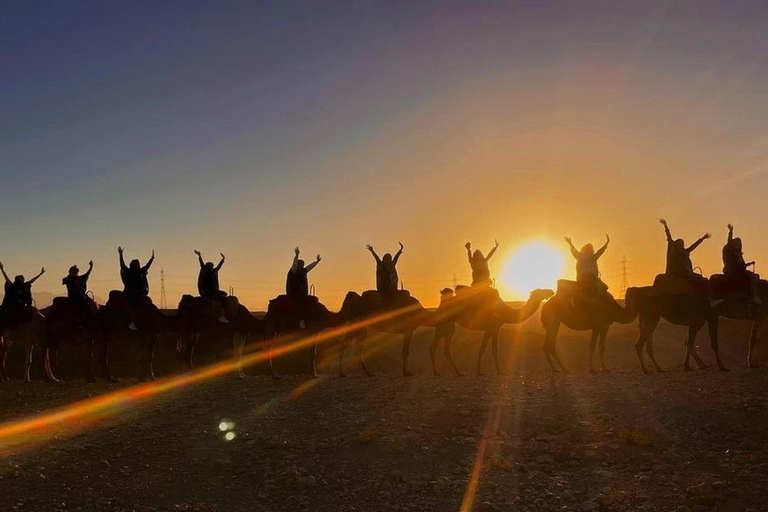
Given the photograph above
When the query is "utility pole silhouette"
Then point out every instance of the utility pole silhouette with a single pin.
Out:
(624, 277)
(163, 302)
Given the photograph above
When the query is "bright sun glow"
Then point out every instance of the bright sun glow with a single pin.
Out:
(536, 264)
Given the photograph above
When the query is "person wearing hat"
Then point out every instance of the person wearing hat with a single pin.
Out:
(77, 285)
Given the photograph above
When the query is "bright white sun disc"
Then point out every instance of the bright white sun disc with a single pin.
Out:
(533, 265)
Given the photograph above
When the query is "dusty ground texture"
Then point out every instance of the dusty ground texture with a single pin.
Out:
(536, 441)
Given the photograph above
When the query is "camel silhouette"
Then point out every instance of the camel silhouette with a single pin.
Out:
(397, 314)
(691, 311)
(473, 311)
(31, 335)
(288, 317)
(195, 317)
(594, 315)
(738, 306)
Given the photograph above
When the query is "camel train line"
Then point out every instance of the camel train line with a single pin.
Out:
(678, 296)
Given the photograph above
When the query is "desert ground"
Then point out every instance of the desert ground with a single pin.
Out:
(525, 441)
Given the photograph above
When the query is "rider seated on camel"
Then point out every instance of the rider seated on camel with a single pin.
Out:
(135, 283)
(679, 262)
(588, 282)
(386, 271)
(735, 268)
(77, 289)
(17, 303)
(296, 282)
(481, 274)
(208, 283)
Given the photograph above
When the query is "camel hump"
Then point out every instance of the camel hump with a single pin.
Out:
(672, 284)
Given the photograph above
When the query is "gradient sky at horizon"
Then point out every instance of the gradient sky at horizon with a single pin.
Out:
(251, 127)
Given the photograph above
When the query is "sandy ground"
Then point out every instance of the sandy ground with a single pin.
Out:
(529, 441)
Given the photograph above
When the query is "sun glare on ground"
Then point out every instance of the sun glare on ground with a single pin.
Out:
(536, 264)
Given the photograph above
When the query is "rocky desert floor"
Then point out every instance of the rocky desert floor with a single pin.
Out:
(525, 441)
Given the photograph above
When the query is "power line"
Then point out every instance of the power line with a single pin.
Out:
(624, 277)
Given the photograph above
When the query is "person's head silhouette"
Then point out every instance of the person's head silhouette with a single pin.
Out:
(73, 270)
(135, 265)
(737, 244)
(209, 266)
(679, 244)
(300, 264)
(387, 259)
(588, 249)
(477, 256)
(19, 279)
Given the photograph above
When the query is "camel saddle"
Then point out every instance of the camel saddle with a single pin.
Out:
(294, 305)
(387, 301)
(478, 296)
(731, 287)
(670, 284)
(66, 308)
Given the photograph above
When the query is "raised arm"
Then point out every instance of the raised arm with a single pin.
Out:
(31, 281)
(603, 248)
(221, 263)
(469, 252)
(397, 256)
(698, 242)
(200, 259)
(313, 264)
(376, 256)
(123, 266)
(90, 269)
(574, 252)
(2, 269)
(149, 263)
(295, 263)
(493, 251)
(666, 230)
(730, 233)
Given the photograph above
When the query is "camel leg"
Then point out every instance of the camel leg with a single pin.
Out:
(406, 352)
(483, 346)
(649, 351)
(449, 354)
(49, 376)
(592, 344)
(359, 348)
(495, 349)
(694, 351)
(108, 377)
(313, 357)
(90, 375)
(29, 348)
(3, 356)
(433, 349)
(238, 341)
(151, 340)
(549, 340)
(553, 350)
(601, 348)
(269, 342)
(756, 325)
(714, 343)
(642, 339)
(55, 364)
(342, 349)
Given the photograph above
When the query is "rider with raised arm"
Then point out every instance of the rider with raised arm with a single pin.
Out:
(481, 274)
(77, 287)
(17, 302)
(735, 268)
(135, 282)
(679, 261)
(588, 280)
(386, 270)
(296, 282)
(208, 283)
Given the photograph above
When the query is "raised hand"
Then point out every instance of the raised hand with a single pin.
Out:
(468, 245)
(296, 250)
(663, 222)
(153, 253)
(318, 258)
(568, 240)
(120, 250)
(42, 271)
(222, 256)
(497, 243)
(730, 228)
(706, 235)
(1, 265)
(607, 238)
(198, 253)
(369, 247)
(90, 263)
(401, 245)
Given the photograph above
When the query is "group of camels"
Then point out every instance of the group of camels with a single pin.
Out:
(473, 308)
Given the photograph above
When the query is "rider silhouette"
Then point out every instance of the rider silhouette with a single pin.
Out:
(735, 268)
(17, 302)
(679, 262)
(588, 281)
(481, 274)
(386, 270)
(208, 283)
(135, 283)
(296, 282)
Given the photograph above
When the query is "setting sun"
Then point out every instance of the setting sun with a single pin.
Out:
(536, 264)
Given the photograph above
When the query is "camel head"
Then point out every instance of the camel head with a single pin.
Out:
(539, 294)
